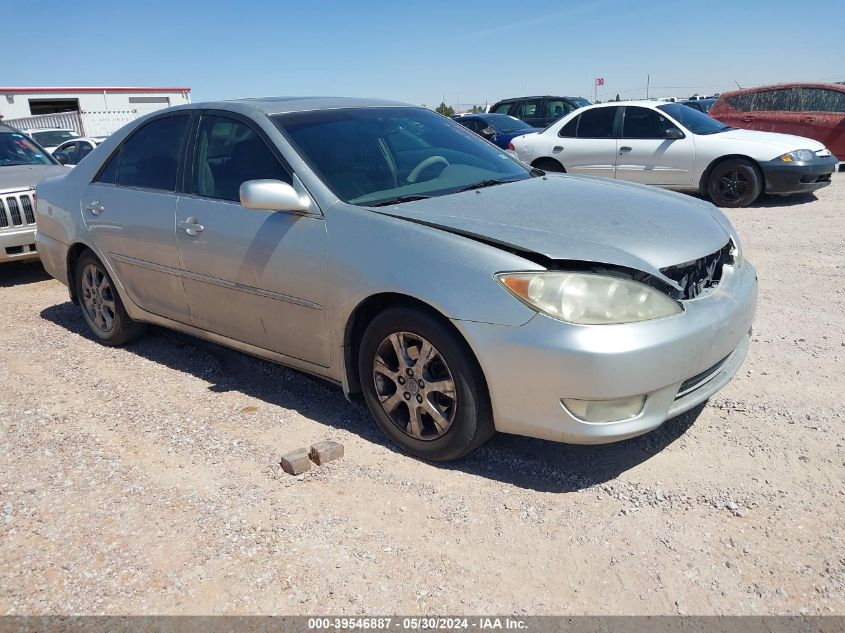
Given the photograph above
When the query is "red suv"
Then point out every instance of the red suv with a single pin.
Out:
(816, 111)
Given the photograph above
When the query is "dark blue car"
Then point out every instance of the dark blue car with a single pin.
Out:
(496, 128)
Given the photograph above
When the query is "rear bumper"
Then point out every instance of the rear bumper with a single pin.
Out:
(17, 244)
(787, 178)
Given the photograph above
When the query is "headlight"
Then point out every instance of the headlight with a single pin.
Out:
(589, 299)
(798, 156)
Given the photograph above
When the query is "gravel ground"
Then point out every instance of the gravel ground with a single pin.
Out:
(145, 479)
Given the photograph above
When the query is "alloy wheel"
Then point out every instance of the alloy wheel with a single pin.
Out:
(98, 298)
(415, 386)
(733, 185)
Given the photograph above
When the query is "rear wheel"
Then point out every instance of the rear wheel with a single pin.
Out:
(734, 183)
(101, 306)
(423, 386)
(548, 164)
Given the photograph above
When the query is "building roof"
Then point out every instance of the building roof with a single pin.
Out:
(88, 89)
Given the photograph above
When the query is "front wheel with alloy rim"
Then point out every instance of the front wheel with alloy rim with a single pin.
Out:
(101, 305)
(734, 183)
(423, 386)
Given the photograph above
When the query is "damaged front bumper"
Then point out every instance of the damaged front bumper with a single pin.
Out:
(672, 364)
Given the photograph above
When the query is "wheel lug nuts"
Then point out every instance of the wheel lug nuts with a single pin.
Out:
(407, 396)
(422, 384)
(401, 380)
(419, 398)
(409, 371)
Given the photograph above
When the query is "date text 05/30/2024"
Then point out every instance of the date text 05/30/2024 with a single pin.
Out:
(414, 623)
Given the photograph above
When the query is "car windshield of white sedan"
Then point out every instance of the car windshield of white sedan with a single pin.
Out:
(51, 138)
(372, 156)
(695, 121)
(16, 149)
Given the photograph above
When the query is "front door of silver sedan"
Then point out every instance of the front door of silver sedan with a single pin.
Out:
(129, 210)
(254, 276)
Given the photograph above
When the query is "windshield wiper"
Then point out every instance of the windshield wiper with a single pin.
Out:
(485, 183)
(398, 200)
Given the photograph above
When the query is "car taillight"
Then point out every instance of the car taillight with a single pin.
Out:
(511, 147)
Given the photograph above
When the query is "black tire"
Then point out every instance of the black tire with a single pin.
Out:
(734, 183)
(472, 420)
(103, 309)
(549, 164)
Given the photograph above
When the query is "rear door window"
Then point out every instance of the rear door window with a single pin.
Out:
(780, 100)
(532, 109)
(558, 108)
(151, 155)
(821, 100)
(504, 107)
(742, 102)
(597, 123)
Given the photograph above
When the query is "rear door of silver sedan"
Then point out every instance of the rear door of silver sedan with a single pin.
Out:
(129, 210)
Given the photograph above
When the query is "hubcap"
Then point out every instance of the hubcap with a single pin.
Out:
(733, 185)
(415, 386)
(98, 298)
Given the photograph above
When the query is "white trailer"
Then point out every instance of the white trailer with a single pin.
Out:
(89, 111)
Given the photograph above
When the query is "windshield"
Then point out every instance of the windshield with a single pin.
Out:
(51, 138)
(17, 149)
(695, 121)
(371, 155)
(504, 123)
(581, 101)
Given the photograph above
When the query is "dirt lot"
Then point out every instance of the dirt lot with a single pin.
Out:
(144, 479)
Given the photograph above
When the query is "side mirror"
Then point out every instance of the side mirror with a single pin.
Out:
(674, 133)
(62, 157)
(272, 195)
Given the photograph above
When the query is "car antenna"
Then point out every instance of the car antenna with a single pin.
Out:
(737, 84)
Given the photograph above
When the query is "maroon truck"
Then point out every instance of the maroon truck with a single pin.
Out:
(816, 111)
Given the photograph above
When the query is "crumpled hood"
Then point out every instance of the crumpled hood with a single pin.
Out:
(580, 218)
(783, 142)
(26, 176)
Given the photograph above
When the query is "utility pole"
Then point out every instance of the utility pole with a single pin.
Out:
(647, 82)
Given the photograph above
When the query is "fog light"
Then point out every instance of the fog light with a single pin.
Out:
(604, 410)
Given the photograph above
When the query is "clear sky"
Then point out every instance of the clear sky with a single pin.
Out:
(418, 51)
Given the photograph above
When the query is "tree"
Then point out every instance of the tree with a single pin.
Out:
(617, 97)
(476, 109)
(445, 110)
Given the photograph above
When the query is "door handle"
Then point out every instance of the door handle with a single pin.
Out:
(625, 148)
(747, 119)
(191, 226)
(557, 148)
(95, 207)
(808, 119)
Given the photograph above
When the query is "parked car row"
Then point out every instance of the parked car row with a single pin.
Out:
(674, 146)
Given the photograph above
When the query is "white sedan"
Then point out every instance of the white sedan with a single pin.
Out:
(76, 149)
(674, 146)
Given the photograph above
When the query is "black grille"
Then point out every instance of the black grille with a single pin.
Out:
(14, 211)
(4, 221)
(690, 383)
(26, 203)
(698, 276)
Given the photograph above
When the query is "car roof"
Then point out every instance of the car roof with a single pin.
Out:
(283, 105)
(6, 128)
(537, 97)
(829, 86)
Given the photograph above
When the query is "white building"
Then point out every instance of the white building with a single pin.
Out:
(89, 111)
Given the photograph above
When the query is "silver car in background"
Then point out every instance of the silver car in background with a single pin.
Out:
(386, 248)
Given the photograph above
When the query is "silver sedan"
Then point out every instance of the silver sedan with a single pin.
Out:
(386, 248)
